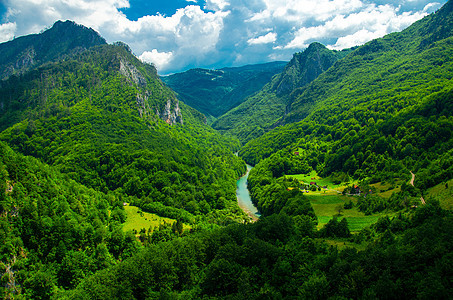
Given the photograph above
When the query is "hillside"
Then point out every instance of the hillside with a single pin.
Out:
(258, 113)
(214, 92)
(96, 115)
(113, 188)
(26, 52)
(377, 115)
(105, 124)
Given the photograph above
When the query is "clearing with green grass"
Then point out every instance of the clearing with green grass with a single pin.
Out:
(442, 192)
(330, 202)
(138, 219)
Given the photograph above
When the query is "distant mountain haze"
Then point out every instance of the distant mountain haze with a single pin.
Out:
(214, 92)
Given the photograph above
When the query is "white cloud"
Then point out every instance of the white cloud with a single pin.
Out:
(7, 31)
(159, 59)
(356, 28)
(222, 32)
(216, 5)
(264, 39)
(429, 6)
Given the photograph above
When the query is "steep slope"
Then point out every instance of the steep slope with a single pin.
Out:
(383, 111)
(47, 219)
(214, 92)
(108, 121)
(258, 113)
(82, 136)
(384, 68)
(26, 52)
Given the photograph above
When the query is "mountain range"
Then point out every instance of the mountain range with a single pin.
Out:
(214, 92)
(352, 171)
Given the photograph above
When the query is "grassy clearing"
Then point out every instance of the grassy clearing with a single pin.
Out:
(313, 177)
(136, 219)
(354, 223)
(327, 205)
(327, 202)
(386, 189)
(443, 193)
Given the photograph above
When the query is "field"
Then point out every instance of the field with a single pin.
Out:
(327, 202)
(442, 192)
(387, 189)
(137, 219)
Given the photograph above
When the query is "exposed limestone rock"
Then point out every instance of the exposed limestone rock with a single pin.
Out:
(25, 60)
(132, 74)
(168, 114)
(171, 116)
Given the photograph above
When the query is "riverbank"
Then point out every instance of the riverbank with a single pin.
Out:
(243, 196)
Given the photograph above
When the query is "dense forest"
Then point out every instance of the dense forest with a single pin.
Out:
(112, 188)
(215, 92)
(260, 111)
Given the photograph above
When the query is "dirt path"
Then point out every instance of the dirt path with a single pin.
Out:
(412, 183)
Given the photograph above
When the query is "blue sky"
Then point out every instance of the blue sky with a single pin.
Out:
(176, 35)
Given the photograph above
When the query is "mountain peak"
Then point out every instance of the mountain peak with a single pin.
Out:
(63, 38)
(304, 67)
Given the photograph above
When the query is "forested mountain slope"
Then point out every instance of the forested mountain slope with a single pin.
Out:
(105, 130)
(214, 92)
(258, 113)
(106, 119)
(379, 113)
(26, 52)
(401, 67)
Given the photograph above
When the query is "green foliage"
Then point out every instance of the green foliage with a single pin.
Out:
(100, 129)
(214, 92)
(63, 39)
(335, 228)
(380, 112)
(257, 261)
(260, 112)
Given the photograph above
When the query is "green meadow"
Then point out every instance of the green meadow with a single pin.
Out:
(329, 202)
(137, 219)
(443, 193)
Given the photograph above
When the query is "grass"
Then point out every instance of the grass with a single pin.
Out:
(136, 219)
(386, 189)
(326, 203)
(443, 194)
(313, 177)
(326, 207)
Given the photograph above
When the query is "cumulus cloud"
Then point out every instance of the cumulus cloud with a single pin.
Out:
(159, 59)
(264, 39)
(217, 33)
(356, 28)
(7, 31)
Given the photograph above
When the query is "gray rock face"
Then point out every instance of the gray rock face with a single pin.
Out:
(171, 116)
(132, 74)
(64, 38)
(304, 67)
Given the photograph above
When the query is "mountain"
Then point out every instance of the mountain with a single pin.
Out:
(379, 115)
(26, 52)
(96, 143)
(93, 114)
(384, 68)
(80, 138)
(214, 92)
(258, 113)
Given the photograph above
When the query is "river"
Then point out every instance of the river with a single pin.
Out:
(243, 195)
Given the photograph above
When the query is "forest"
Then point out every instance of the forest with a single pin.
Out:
(111, 187)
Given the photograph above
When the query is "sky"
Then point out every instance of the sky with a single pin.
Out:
(176, 35)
